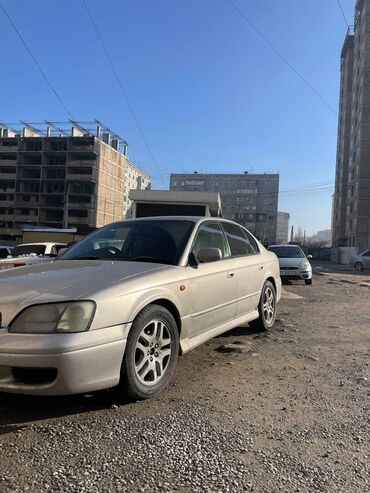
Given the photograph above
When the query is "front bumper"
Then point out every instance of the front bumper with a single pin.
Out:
(61, 364)
(295, 275)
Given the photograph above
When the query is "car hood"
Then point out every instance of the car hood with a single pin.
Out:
(63, 280)
(290, 262)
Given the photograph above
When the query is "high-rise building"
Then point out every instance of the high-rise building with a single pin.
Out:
(282, 227)
(351, 204)
(249, 199)
(60, 176)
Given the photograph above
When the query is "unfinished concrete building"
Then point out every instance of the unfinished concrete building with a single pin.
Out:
(61, 174)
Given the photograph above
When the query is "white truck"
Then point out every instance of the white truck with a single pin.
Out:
(31, 253)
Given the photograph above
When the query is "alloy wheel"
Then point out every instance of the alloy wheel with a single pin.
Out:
(152, 352)
(268, 305)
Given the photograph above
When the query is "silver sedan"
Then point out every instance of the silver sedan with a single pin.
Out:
(361, 261)
(120, 306)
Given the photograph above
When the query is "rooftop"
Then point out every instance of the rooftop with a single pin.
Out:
(70, 128)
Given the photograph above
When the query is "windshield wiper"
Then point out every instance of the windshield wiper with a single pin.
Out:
(151, 259)
(87, 257)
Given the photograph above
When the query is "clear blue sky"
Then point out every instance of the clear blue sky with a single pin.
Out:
(210, 95)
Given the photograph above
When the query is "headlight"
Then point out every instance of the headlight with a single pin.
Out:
(305, 266)
(48, 318)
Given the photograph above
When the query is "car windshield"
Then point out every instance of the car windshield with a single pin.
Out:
(161, 241)
(287, 252)
(28, 250)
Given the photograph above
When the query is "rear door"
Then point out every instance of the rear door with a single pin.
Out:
(248, 265)
(213, 285)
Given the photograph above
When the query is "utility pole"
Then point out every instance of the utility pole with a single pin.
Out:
(292, 233)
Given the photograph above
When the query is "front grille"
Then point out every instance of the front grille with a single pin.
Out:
(288, 268)
(34, 376)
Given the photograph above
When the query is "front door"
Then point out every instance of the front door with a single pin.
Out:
(213, 285)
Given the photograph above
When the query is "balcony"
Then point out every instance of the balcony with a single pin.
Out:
(7, 217)
(10, 231)
(81, 162)
(8, 162)
(4, 175)
(73, 221)
(8, 148)
(79, 176)
(87, 145)
(24, 218)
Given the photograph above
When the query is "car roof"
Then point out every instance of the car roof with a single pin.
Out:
(47, 243)
(195, 219)
(284, 246)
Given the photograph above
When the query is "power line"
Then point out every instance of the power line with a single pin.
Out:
(124, 93)
(36, 62)
(281, 56)
(52, 88)
(343, 14)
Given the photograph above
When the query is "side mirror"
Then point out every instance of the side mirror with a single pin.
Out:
(206, 255)
(309, 257)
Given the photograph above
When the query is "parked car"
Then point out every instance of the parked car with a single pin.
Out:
(361, 261)
(5, 251)
(119, 306)
(294, 265)
(30, 253)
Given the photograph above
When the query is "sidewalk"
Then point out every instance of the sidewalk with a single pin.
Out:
(325, 266)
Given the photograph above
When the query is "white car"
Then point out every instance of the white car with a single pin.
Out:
(119, 306)
(294, 265)
(30, 253)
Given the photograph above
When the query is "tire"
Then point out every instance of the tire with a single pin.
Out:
(308, 282)
(359, 266)
(263, 322)
(151, 353)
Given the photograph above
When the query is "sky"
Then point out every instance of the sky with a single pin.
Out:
(209, 94)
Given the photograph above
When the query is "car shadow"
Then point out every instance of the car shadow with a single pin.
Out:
(17, 411)
(243, 330)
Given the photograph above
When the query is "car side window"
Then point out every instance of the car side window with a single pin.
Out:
(59, 247)
(241, 243)
(210, 235)
(252, 242)
(367, 254)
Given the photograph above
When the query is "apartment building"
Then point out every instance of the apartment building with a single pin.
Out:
(61, 174)
(249, 199)
(351, 203)
(282, 228)
(135, 179)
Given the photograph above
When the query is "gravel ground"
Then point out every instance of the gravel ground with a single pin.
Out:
(288, 411)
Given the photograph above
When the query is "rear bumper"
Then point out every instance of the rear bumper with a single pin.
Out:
(61, 364)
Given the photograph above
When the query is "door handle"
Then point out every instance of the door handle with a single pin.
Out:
(230, 274)
(260, 267)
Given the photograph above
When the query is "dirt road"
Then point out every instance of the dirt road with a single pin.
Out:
(286, 411)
